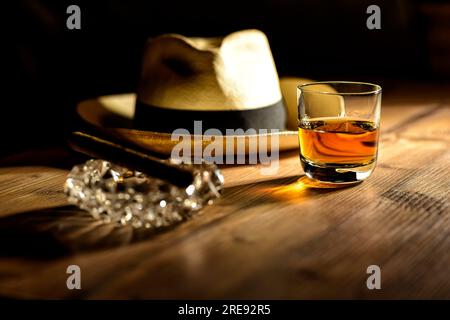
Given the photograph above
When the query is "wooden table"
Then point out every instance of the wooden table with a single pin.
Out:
(268, 237)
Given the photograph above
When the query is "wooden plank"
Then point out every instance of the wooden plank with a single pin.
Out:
(268, 237)
(435, 126)
(30, 188)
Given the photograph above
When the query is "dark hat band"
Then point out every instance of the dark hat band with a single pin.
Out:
(167, 120)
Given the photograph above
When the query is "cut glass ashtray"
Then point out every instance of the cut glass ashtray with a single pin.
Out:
(114, 193)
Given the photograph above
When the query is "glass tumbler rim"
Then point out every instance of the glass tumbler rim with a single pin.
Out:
(377, 88)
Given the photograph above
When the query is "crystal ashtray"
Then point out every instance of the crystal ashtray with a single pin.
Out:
(114, 193)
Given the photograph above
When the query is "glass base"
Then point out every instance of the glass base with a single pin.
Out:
(337, 173)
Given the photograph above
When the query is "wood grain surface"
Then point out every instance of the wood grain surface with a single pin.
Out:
(267, 237)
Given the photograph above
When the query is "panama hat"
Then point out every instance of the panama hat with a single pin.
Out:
(226, 83)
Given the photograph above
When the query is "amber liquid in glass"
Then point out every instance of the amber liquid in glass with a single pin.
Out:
(331, 143)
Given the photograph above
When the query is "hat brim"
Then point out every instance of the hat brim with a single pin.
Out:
(113, 115)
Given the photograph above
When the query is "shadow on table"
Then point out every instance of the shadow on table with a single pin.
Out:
(291, 189)
(50, 233)
(59, 231)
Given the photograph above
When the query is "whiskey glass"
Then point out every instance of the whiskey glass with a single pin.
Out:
(338, 129)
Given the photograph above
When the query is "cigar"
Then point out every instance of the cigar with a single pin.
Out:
(130, 158)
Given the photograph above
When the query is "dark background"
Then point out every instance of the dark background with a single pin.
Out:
(53, 68)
